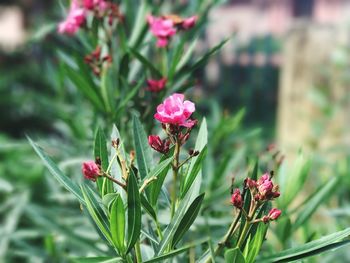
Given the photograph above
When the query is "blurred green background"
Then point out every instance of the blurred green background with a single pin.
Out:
(281, 81)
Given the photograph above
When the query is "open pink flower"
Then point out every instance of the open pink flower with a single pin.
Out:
(90, 170)
(174, 110)
(155, 85)
(162, 28)
(75, 19)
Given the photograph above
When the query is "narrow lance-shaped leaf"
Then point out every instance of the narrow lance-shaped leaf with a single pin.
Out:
(57, 173)
(101, 153)
(174, 223)
(117, 224)
(318, 246)
(143, 150)
(160, 171)
(134, 211)
(194, 171)
(234, 256)
(188, 219)
(315, 200)
(96, 213)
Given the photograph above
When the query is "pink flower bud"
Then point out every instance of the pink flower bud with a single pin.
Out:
(90, 170)
(250, 183)
(157, 144)
(265, 188)
(174, 110)
(156, 85)
(263, 178)
(236, 198)
(189, 22)
(274, 213)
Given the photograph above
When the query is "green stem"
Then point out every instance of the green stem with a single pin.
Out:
(111, 162)
(159, 231)
(175, 175)
(227, 237)
(244, 232)
(138, 252)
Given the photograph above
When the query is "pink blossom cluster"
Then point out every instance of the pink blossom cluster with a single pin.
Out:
(164, 27)
(77, 13)
(261, 191)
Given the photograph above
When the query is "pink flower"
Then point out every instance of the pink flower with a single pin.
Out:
(236, 199)
(265, 188)
(90, 170)
(100, 5)
(250, 183)
(189, 22)
(174, 110)
(75, 19)
(274, 213)
(157, 144)
(263, 178)
(156, 85)
(162, 28)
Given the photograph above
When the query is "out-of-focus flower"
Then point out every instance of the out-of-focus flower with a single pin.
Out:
(99, 5)
(174, 110)
(75, 19)
(162, 28)
(90, 170)
(157, 144)
(250, 183)
(189, 22)
(236, 198)
(156, 85)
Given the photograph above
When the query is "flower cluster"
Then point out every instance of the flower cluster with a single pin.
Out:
(95, 60)
(79, 9)
(164, 27)
(174, 114)
(261, 191)
(75, 19)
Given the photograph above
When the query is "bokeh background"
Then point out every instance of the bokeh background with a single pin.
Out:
(283, 77)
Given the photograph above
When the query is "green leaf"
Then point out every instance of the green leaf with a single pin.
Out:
(117, 224)
(101, 152)
(320, 196)
(57, 173)
(175, 252)
(291, 178)
(234, 255)
(134, 211)
(201, 142)
(194, 171)
(203, 60)
(97, 260)
(96, 213)
(142, 149)
(148, 64)
(160, 171)
(253, 247)
(174, 223)
(318, 246)
(187, 220)
(147, 206)
(85, 87)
